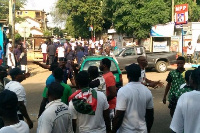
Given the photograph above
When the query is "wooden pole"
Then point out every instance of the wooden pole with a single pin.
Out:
(13, 22)
(172, 10)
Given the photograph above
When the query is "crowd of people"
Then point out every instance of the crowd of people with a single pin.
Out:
(14, 56)
(97, 105)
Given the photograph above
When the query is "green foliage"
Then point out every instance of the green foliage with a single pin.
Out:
(47, 33)
(58, 32)
(18, 37)
(80, 15)
(130, 17)
(4, 7)
(137, 19)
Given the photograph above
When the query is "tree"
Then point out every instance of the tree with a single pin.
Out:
(81, 14)
(135, 18)
(4, 7)
(47, 33)
(58, 32)
(18, 37)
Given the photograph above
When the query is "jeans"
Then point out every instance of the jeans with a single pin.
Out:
(51, 59)
(189, 58)
(196, 56)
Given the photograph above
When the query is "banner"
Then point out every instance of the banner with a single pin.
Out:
(181, 14)
(160, 47)
(162, 30)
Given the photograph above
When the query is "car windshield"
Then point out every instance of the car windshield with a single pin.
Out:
(97, 63)
(118, 51)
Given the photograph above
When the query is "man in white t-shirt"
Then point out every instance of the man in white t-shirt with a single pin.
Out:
(15, 86)
(94, 118)
(197, 51)
(142, 62)
(8, 111)
(61, 52)
(134, 109)
(187, 117)
(8, 46)
(56, 118)
(44, 51)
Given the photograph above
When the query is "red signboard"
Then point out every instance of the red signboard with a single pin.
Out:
(181, 14)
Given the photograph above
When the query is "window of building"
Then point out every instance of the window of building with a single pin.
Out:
(37, 14)
(19, 13)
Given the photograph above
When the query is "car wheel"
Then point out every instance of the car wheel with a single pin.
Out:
(161, 66)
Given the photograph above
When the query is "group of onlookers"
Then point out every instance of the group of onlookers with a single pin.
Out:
(97, 105)
(15, 56)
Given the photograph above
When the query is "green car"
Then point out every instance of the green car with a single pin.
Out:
(95, 61)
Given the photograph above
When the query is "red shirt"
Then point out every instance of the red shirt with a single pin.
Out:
(110, 81)
(113, 43)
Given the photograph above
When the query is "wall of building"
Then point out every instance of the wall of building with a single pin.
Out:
(24, 13)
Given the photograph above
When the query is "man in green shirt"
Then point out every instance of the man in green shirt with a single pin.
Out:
(58, 74)
(174, 80)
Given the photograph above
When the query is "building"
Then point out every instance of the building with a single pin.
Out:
(37, 15)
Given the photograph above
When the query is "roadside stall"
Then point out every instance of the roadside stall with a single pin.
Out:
(161, 37)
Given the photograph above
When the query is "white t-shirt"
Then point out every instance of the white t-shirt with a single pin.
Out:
(73, 46)
(197, 47)
(91, 123)
(190, 50)
(55, 119)
(7, 49)
(102, 86)
(44, 48)
(186, 116)
(134, 98)
(92, 45)
(61, 51)
(21, 127)
(9, 63)
(19, 90)
(143, 76)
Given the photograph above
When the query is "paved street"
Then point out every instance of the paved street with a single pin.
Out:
(35, 84)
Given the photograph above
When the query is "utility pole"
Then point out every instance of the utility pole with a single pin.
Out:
(12, 18)
(172, 10)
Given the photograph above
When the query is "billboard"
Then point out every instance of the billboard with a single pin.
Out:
(162, 30)
(181, 14)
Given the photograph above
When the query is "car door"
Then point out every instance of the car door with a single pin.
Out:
(126, 58)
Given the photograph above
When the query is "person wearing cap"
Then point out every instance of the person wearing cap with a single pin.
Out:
(134, 109)
(57, 117)
(8, 112)
(15, 86)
